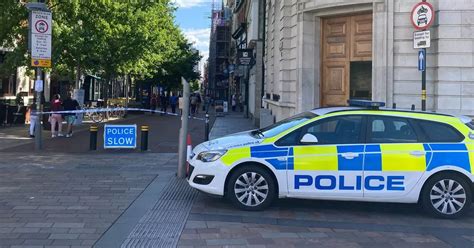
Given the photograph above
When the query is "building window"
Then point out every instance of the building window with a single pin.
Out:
(361, 80)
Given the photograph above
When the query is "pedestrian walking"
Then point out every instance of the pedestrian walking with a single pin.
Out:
(199, 101)
(180, 104)
(153, 103)
(173, 103)
(164, 103)
(193, 101)
(234, 102)
(56, 119)
(34, 120)
(70, 104)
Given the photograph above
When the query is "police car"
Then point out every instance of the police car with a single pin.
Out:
(358, 153)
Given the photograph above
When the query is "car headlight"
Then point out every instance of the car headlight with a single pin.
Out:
(211, 156)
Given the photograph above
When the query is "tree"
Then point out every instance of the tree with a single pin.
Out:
(181, 64)
(13, 34)
(107, 38)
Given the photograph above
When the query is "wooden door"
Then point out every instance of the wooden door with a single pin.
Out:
(344, 39)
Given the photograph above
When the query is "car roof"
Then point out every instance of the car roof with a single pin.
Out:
(328, 110)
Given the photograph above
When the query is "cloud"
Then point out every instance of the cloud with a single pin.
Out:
(200, 40)
(190, 3)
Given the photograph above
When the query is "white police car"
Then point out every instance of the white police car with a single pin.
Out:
(356, 153)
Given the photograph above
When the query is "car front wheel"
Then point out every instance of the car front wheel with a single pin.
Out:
(251, 188)
(446, 196)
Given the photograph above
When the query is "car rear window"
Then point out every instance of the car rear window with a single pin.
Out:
(439, 132)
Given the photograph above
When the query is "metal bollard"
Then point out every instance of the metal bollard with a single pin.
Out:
(206, 130)
(144, 138)
(93, 138)
(394, 106)
(413, 107)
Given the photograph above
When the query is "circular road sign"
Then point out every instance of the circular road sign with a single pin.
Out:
(41, 26)
(422, 15)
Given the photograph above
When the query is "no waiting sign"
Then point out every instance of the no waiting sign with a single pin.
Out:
(40, 35)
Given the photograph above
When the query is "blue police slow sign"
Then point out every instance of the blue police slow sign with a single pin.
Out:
(120, 136)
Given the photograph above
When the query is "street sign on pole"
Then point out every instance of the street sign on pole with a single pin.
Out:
(421, 39)
(39, 85)
(120, 136)
(40, 35)
(422, 15)
(422, 60)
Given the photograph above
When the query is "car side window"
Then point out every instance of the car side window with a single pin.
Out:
(337, 130)
(332, 130)
(386, 129)
(439, 132)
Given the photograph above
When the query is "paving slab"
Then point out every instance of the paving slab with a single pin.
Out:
(71, 200)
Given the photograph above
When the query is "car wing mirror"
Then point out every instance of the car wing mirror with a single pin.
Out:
(309, 139)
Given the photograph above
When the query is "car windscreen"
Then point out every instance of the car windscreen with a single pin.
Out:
(285, 124)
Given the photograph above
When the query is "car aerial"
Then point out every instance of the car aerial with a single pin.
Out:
(362, 152)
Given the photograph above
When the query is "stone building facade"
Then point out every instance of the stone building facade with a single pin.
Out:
(323, 52)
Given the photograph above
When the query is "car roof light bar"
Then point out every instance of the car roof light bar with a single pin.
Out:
(365, 104)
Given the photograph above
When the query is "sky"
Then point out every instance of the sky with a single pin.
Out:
(192, 16)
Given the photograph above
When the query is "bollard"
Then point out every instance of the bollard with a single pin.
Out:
(413, 107)
(394, 106)
(93, 138)
(206, 130)
(144, 138)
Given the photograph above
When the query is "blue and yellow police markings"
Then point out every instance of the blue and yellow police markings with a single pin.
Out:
(448, 154)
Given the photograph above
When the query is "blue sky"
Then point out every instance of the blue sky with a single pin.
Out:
(192, 17)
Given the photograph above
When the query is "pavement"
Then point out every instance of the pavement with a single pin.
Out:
(77, 198)
(162, 137)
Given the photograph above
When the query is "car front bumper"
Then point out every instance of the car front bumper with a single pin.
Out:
(200, 174)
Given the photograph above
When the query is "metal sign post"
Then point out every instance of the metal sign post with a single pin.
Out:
(183, 132)
(422, 17)
(39, 44)
(38, 126)
(422, 68)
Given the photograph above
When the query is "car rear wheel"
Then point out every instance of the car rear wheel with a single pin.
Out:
(251, 188)
(446, 196)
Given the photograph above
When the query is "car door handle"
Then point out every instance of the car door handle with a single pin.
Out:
(349, 155)
(417, 153)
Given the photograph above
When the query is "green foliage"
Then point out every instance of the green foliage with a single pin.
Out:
(107, 38)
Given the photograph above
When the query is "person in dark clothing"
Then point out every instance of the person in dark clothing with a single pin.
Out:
(173, 103)
(70, 104)
(164, 104)
(153, 103)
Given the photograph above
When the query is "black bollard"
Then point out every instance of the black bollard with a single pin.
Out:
(413, 107)
(206, 128)
(394, 106)
(144, 138)
(93, 138)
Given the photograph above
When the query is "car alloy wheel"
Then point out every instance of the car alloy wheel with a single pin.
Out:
(251, 189)
(448, 196)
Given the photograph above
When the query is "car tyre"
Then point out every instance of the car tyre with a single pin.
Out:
(446, 196)
(251, 188)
